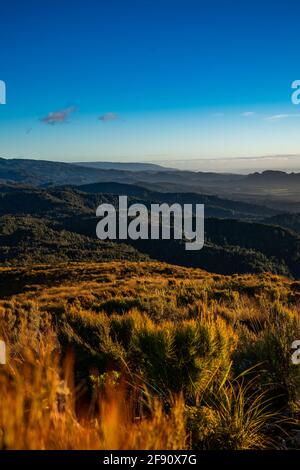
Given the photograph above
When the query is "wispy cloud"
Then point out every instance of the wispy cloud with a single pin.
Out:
(109, 117)
(58, 117)
(279, 117)
(248, 113)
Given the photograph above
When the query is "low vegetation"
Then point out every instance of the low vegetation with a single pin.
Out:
(125, 355)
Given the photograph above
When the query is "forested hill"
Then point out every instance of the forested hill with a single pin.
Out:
(58, 224)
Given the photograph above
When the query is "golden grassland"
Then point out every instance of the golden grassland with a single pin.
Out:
(145, 355)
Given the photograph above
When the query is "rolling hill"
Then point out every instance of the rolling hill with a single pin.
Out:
(278, 190)
(59, 223)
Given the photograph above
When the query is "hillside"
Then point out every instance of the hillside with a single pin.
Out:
(215, 206)
(278, 190)
(124, 166)
(290, 221)
(27, 199)
(204, 361)
(43, 172)
(59, 223)
(27, 240)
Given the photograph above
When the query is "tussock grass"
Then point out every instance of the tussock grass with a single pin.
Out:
(148, 356)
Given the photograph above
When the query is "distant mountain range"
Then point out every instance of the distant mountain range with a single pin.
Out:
(276, 189)
(125, 166)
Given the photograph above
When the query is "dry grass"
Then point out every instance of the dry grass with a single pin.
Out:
(147, 356)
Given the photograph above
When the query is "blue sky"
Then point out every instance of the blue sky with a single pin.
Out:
(169, 80)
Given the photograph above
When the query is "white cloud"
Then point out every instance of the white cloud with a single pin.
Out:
(58, 117)
(279, 117)
(248, 113)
